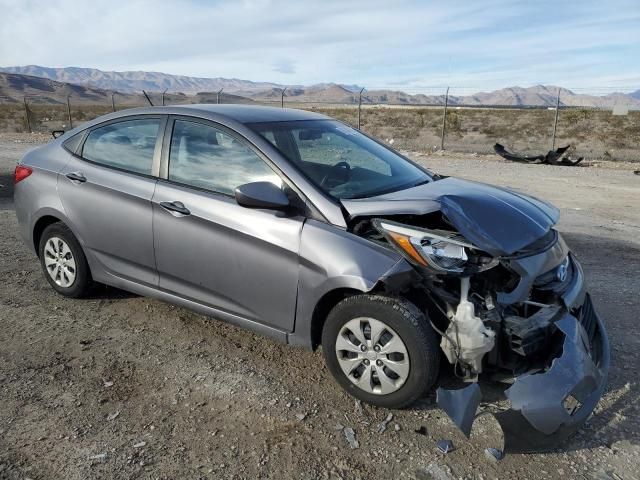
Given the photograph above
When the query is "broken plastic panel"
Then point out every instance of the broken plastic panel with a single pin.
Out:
(550, 406)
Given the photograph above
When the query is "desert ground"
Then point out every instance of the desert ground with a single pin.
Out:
(119, 386)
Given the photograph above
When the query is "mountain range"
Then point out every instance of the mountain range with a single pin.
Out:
(90, 84)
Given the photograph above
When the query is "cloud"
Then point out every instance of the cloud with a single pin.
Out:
(376, 43)
(283, 65)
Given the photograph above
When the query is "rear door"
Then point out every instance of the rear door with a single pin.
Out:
(208, 248)
(106, 191)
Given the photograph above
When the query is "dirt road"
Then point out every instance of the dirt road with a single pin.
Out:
(118, 386)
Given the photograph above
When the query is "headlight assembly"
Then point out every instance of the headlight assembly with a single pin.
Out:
(439, 250)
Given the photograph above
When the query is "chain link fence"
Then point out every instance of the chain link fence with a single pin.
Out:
(438, 122)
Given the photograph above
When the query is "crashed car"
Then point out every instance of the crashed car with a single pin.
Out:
(297, 226)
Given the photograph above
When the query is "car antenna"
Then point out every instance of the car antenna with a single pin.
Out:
(148, 99)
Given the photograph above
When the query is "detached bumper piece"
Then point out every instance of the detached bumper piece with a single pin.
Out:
(550, 406)
(559, 156)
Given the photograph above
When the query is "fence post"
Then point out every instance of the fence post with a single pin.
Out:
(218, 96)
(69, 111)
(360, 106)
(555, 121)
(282, 97)
(444, 119)
(113, 102)
(26, 111)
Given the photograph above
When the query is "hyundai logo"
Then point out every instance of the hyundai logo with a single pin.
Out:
(562, 270)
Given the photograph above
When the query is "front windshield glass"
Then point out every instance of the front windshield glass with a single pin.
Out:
(339, 159)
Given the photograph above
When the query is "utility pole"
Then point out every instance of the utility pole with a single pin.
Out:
(69, 112)
(555, 121)
(163, 92)
(218, 95)
(444, 119)
(360, 106)
(113, 102)
(26, 111)
(282, 97)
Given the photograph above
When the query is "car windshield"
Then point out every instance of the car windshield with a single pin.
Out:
(339, 159)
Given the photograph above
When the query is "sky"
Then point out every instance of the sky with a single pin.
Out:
(587, 46)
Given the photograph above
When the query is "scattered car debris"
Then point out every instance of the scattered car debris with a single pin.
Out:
(559, 156)
(301, 416)
(140, 445)
(113, 415)
(436, 472)
(461, 405)
(383, 425)
(107, 384)
(493, 454)
(445, 446)
(397, 427)
(350, 435)
(421, 431)
(99, 456)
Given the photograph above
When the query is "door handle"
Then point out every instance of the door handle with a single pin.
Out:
(177, 207)
(76, 177)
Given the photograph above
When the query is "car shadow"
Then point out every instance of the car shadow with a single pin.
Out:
(105, 292)
(6, 185)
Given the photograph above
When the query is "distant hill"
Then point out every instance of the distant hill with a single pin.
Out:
(130, 82)
(14, 87)
(90, 83)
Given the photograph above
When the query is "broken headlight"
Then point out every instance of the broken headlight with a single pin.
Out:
(438, 250)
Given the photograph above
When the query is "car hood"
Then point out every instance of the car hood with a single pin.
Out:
(495, 219)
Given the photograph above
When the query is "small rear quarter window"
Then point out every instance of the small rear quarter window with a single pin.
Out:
(128, 145)
(72, 144)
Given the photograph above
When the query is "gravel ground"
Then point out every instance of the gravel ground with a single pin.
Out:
(119, 386)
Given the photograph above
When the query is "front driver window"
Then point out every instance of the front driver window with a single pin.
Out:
(205, 157)
(339, 159)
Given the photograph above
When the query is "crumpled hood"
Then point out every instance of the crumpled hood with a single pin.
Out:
(495, 219)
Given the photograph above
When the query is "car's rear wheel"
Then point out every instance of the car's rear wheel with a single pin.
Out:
(63, 261)
(381, 350)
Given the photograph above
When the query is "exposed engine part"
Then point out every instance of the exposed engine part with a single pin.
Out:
(467, 339)
(526, 336)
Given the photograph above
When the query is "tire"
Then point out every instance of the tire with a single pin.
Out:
(400, 318)
(73, 257)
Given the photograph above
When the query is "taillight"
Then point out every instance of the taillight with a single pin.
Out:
(21, 173)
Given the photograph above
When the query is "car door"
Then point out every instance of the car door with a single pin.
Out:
(208, 248)
(106, 191)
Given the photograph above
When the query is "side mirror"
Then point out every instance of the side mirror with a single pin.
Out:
(261, 195)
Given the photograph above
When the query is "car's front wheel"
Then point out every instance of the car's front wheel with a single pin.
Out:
(381, 350)
(63, 261)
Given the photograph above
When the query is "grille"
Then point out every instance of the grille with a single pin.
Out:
(588, 318)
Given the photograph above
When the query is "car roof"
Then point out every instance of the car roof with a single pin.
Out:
(238, 113)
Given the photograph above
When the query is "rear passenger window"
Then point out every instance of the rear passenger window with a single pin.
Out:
(128, 145)
(205, 157)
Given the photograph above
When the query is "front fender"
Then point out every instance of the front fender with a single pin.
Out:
(332, 259)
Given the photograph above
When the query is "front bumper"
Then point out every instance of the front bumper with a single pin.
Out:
(548, 407)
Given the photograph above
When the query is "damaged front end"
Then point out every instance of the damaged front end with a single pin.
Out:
(509, 301)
